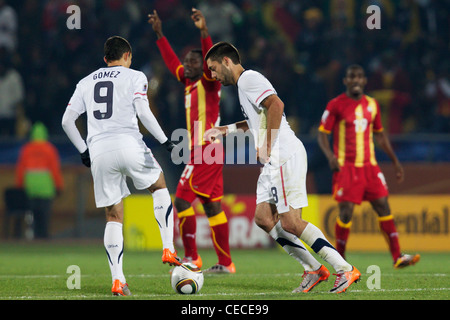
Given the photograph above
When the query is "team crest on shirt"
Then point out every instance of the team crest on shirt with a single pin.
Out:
(145, 87)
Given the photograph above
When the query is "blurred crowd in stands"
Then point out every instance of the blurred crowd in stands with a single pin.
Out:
(303, 47)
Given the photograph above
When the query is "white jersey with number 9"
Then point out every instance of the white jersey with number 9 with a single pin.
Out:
(107, 96)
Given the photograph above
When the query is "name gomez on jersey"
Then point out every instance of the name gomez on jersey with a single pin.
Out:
(107, 96)
(105, 74)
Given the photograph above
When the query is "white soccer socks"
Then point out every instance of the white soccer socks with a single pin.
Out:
(294, 247)
(314, 238)
(113, 241)
(163, 208)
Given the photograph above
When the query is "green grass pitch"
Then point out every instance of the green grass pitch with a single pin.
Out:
(39, 271)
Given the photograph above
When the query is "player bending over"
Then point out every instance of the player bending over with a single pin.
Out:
(281, 187)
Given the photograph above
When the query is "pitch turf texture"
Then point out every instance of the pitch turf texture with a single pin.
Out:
(39, 271)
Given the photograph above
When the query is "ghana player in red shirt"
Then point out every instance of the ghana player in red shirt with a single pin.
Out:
(198, 180)
(354, 120)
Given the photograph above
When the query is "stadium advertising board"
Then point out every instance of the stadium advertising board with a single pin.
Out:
(142, 233)
(422, 223)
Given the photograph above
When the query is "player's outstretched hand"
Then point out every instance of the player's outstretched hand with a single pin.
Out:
(213, 134)
(198, 18)
(156, 23)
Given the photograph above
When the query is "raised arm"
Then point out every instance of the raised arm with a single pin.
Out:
(170, 58)
(156, 23)
(200, 22)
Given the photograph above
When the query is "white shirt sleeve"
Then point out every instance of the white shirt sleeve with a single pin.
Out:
(140, 86)
(255, 86)
(70, 128)
(76, 102)
(140, 102)
(148, 120)
(74, 108)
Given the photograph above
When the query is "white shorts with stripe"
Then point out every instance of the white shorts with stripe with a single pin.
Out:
(285, 185)
(110, 169)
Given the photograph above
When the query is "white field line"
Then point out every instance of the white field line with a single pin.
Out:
(43, 276)
(212, 295)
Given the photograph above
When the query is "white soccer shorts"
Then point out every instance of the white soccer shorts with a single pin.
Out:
(110, 169)
(284, 186)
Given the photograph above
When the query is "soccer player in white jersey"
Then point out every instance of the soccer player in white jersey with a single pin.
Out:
(281, 188)
(112, 97)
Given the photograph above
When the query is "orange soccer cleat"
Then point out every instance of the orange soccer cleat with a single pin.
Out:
(312, 278)
(344, 279)
(120, 289)
(170, 258)
(219, 268)
(406, 260)
(198, 262)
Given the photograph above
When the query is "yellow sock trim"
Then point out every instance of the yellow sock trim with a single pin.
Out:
(182, 221)
(386, 218)
(220, 218)
(343, 225)
(186, 213)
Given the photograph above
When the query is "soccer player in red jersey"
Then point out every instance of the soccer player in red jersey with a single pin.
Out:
(354, 120)
(198, 180)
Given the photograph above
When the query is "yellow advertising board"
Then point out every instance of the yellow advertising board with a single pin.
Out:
(140, 229)
(422, 223)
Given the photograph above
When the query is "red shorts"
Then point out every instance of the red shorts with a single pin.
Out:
(203, 180)
(357, 184)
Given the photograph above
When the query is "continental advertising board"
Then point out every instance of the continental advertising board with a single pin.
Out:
(422, 223)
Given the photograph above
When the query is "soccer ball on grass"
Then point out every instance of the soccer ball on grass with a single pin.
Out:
(186, 279)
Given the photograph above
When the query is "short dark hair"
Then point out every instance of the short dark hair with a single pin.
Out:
(115, 47)
(354, 67)
(223, 49)
(198, 51)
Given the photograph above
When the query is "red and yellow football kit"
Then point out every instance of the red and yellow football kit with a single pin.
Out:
(201, 179)
(202, 113)
(352, 124)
